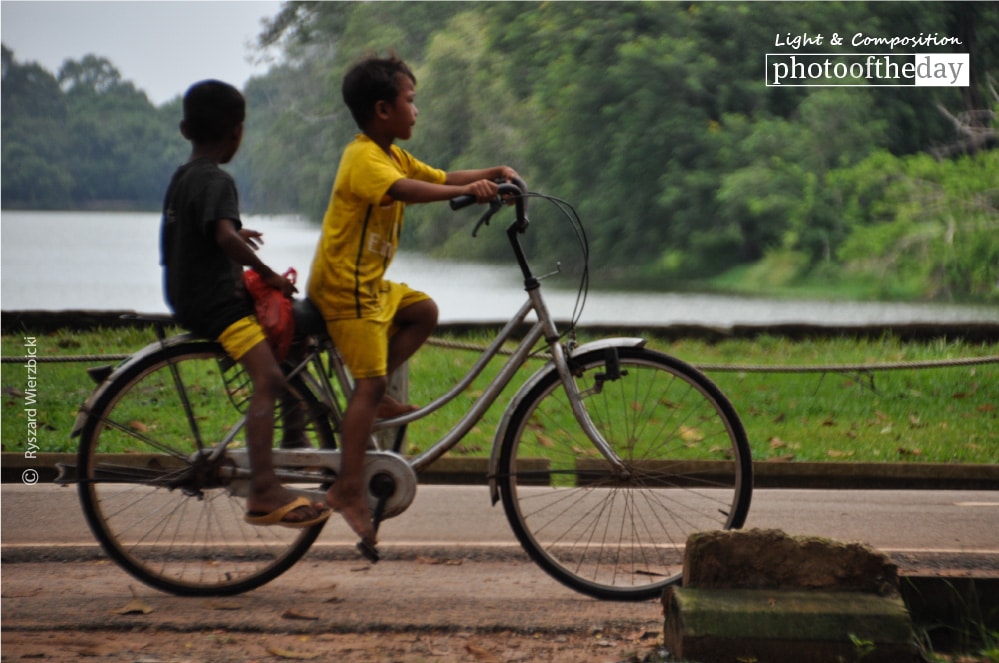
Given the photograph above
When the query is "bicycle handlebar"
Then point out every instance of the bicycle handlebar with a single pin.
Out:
(514, 189)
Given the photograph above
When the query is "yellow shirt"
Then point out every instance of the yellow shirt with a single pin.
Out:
(361, 228)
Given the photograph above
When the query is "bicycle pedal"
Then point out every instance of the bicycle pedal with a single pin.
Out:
(369, 552)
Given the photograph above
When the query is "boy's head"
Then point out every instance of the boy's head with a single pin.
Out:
(213, 110)
(373, 80)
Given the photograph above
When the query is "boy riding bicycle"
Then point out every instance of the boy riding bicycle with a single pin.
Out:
(375, 323)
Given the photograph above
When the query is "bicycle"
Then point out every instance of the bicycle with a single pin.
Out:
(605, 460)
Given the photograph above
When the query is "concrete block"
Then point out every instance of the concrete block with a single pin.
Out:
(767, 597)
(739, 625)
(772, 559)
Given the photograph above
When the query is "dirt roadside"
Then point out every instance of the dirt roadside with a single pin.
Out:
(220, 646)
(441, 610)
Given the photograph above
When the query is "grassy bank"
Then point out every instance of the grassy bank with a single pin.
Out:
(946, 414)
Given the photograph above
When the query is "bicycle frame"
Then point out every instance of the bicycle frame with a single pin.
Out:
(543, 327)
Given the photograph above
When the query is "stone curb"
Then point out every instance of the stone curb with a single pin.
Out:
(16, 468)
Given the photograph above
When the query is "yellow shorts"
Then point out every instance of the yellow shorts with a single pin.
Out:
(240, 336)
(363, 342)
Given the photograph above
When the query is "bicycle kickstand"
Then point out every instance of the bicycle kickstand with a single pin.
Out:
(383, 491)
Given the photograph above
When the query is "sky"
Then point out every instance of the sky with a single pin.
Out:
(160, 46)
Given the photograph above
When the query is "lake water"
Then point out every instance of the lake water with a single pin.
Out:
(110, 261)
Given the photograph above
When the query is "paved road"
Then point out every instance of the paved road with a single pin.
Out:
(461, 517)
(451, 564)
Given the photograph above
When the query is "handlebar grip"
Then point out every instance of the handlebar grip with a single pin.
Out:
(461, 202)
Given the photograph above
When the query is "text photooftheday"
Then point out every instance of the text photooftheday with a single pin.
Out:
(800, 68)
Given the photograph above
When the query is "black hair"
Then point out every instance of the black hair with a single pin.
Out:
(372, 80)
(211, 110)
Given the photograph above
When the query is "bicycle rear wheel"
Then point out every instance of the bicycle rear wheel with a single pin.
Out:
(160, 506)
(688, 470)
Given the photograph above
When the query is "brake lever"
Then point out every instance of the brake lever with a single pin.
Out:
(494, 206)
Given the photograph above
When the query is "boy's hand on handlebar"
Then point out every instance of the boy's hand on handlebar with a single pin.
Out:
(482, 190)
(507, 173)
(486, 190)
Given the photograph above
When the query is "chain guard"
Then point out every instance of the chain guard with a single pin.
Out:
(295, 466)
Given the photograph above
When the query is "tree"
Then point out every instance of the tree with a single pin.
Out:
(34, 173)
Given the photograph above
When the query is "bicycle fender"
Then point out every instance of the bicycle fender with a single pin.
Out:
(602, 344)
(95, 395)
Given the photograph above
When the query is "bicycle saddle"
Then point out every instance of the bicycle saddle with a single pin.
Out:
(308, 320)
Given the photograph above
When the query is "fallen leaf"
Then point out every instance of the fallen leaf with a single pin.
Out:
(321, 589)
(99, 650)
(288, 653)
(138, 426)
(835, 453)
(291, 613)
(134, 607)
(544, 440)
(220, 605)
(433, 561)
(689, 434)
(481, 654)
(902, 451)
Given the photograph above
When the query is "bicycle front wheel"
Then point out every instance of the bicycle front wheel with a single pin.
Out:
(687, 469)
(159, 504)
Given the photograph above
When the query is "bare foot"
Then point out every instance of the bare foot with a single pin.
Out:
(389, 408)
(355, 512)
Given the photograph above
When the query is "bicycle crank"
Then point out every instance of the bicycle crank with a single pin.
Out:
(390, 481)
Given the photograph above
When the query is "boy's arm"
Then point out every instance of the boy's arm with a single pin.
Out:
(478, 183)
(239, 247)
(468, 176)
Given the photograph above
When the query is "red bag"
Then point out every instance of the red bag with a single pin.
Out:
(274, 311)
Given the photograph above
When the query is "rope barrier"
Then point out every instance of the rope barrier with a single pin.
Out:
(759, 368)
(65, 359)
(734, 368)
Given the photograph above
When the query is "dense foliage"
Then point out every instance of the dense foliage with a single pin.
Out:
(653, 119)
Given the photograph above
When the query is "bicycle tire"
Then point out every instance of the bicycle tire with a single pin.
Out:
(681, 441)
(168, 520)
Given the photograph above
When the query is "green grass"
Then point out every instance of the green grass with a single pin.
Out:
(930, 415)
(940, 415)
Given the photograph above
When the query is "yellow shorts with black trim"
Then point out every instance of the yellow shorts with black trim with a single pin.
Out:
(363, 342)
(240, 336)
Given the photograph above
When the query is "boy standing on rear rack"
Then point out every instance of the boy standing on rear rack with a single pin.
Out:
(204, 248)
(377, 324)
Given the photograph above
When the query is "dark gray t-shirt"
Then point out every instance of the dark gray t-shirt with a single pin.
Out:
(203, 286)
